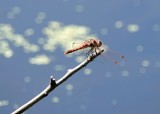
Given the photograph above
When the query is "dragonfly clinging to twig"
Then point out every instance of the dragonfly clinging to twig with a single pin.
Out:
(94, 45)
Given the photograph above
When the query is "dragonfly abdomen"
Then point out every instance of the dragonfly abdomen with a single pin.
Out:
(75, 49)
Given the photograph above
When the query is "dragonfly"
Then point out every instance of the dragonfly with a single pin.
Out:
(94, 45)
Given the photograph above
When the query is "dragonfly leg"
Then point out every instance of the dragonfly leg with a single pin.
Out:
(96, 48)
(91, 50)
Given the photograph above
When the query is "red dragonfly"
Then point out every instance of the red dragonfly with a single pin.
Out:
(94, 45)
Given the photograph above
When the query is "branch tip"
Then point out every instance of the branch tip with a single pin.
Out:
(90, 58)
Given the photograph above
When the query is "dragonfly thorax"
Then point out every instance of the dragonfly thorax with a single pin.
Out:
(97, 43)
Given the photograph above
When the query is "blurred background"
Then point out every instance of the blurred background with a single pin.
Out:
(34, 36)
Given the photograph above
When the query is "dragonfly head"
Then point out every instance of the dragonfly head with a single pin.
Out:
(99, 43)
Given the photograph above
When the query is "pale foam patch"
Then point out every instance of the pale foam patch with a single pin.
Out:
(63, 36)
(40, 60)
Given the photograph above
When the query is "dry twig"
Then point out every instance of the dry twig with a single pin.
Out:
(53, 84)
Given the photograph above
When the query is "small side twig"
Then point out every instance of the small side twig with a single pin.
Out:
(53, 84)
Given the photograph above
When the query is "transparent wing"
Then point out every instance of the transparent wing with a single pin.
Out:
(110, 55)
(82, 51)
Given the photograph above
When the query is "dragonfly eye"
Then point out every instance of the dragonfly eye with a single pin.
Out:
(99, 43)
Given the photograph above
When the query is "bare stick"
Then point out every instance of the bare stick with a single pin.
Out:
(53, 84)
